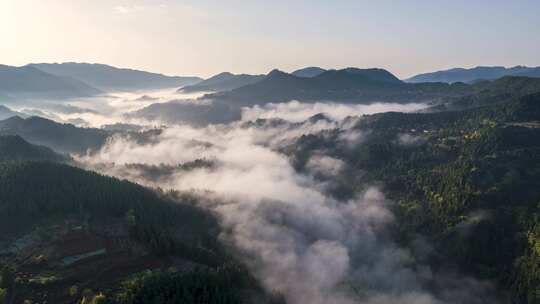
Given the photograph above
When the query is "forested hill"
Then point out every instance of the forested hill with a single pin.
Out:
(37, 190)
(109, 78)
(222, 82)
(347, 85)
(65, 138)
(466, 181)
(13, 147)
(70, 235)
(475, 74)
(491, 92)
(30, 82)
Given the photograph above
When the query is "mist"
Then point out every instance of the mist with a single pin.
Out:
(296, 111)
(98, 111)
(294, 237)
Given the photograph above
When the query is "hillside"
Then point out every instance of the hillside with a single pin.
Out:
(196, 114)
(467, 182)
(347, 85)
(64, 138)
(110, 78)
(308, 72)
(222, 82)
(475, 74)
(492, 92)
(6, 112)
(69, 234)
(16, 148)
(30, 82)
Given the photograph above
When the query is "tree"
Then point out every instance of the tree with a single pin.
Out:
(6, 277)
(3, 295)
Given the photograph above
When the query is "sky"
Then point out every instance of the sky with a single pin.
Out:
(205, 37)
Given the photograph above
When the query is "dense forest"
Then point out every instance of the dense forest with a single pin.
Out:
(41, 200)
(16, 148)
(468, 181)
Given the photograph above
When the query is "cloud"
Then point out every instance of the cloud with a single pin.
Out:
(294, 237)
(409, 140)
(325, 165)
(297, 111)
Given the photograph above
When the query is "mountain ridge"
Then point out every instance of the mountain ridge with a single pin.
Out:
(224, 81)
(474, 74)
(65, 138)
(110, 78)
(30, 82)
(309, 72)
(349, 85)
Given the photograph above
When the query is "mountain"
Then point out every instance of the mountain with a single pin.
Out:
(13, 147)
(308, 72)
(108, 78)
(381, 75)
(222, 82)
(467, 182)
(65, 138)
(6, 112)
(195, 114)
(474, 74)
(68, 234)
(348, 85)
(30, 82)
(492, 92)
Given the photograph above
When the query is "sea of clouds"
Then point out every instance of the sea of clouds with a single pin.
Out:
(295, 237)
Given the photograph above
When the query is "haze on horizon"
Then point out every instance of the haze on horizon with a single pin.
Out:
(205, 37)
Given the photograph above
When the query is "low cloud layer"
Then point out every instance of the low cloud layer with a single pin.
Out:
(102, 110)
(295, 238)
(296, 111)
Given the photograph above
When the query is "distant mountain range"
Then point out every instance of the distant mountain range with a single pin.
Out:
(492, 92)
(108, 78)
(30, 82)
(309, 72)
(222, 82)
(6, 112)
(65, 138)
(75, 80)
(475, 74)
(198, 114)
(227, 81)
(350, 85)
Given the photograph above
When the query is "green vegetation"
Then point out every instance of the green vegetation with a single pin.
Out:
(467, 181)
(6, 281)
(201, 286)
(37, 190)
(38, 196)
(6, 276)
(3, 295)
(64, 138)
(16, 148)
(228, 285)
(97, 299)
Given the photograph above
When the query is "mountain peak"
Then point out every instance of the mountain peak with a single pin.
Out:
(470, 75)
(377, 74)
(222, 75)
(309, 72)
(277, 73)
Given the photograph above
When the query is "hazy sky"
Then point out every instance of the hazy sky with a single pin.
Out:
(204, 37)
